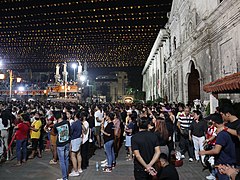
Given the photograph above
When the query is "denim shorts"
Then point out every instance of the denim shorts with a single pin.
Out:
(76, 143)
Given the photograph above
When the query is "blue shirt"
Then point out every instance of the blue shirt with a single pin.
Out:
(76, 129)
(227, 154)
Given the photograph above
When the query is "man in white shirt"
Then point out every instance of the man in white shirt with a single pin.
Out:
(98, 120)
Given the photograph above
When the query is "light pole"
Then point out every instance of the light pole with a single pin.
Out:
(11, 80)
(74, 66)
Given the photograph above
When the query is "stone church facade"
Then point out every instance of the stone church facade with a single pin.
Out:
(200, 43)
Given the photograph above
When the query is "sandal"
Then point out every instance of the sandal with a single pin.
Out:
(18, 164)
(30, 157)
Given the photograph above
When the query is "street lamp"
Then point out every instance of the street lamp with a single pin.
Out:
(83, 78)
(74, 66)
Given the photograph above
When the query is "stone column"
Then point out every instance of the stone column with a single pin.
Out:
(57, 75)
(65, 73)
(79, 73)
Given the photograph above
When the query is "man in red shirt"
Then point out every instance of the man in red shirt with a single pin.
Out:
(22, 130)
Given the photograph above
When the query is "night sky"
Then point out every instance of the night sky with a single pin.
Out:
(108, 34)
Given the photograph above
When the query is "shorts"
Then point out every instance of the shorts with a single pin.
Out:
(97, 130)
(35, 144)
(76, 143)
(128, 141)
(53, 140)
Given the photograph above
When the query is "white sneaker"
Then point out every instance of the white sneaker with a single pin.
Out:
(90, 140)
(80, 171)
(104, 164)
(104, 161)
(182, 157)
(73, 174)
(190, 159)
(211, 177)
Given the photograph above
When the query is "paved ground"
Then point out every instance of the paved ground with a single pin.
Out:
(39, 169)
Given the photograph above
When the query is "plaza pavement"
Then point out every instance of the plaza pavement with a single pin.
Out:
(39, 169)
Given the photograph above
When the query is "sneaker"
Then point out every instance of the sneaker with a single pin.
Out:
(182, 157)
(80, 170)
(104, 161)
(74, 174)
(52, 162)
(104, 165)
(113, 165)
(190, 159)
(108, 170)
(211, 177)
(90, 140)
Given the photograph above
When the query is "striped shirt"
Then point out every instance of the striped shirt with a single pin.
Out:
(185, 121)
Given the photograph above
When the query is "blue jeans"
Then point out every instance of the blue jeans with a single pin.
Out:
(108, 146)
(63, 155)
(21, 148)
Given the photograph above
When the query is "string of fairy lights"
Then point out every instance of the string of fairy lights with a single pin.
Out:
(105, 33)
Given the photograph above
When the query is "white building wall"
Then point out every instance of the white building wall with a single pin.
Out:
(206, 33)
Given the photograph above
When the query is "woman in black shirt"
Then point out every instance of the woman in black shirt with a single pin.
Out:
(197, 132)
(108, 137)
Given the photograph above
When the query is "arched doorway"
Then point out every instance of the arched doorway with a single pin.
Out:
(193, 84)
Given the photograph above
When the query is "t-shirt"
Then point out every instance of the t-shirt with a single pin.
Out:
(85, 136)
(130, 126)
(62, 130)
(109, 129)
(185, 121)
(22, 131)
(227, 154)
(168, 172)
(211, 131)
(145, 142)
(161, 141)
(76, 130)
(198, 129)
(98, 114)
(37, 124)
(234, 125)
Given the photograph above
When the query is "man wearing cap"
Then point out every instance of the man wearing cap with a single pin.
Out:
(224, 148)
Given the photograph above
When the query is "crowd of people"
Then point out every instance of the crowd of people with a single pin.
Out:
(151, 135)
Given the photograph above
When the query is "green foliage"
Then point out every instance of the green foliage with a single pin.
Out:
(149, 103)
(207, 109)
(158, 100)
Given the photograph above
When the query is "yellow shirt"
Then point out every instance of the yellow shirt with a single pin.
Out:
(37, 124)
